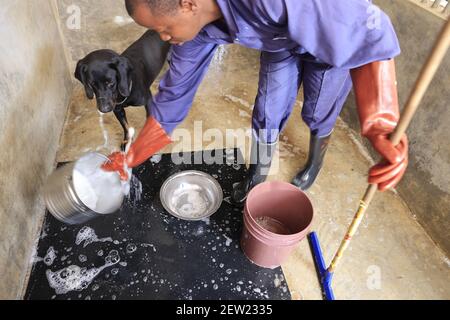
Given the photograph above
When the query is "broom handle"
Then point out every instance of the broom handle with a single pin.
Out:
(421, 86)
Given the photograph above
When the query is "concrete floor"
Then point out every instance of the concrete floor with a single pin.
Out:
(391, 257)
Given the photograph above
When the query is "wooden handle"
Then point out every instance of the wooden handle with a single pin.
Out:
(422, 83)
(421, 86)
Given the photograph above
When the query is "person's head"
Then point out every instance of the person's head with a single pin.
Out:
(176, 21)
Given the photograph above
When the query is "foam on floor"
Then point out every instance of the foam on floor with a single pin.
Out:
(74, 278)
(88, 236)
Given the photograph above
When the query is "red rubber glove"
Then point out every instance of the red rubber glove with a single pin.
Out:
(151, 139)
(375, 89)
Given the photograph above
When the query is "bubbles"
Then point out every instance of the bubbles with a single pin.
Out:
(146, 245)
(131, 248)
(88, 236)
(276, 281)
(82, 258)
(112, 258)
(114, 271)
(228, 240)
(99, 190)
(156, 158)
(74, 278)
(50, 256)
(199, 231)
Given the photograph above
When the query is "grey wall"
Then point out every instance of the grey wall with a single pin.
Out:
(34, 90)
(426, 185)
(102, 24)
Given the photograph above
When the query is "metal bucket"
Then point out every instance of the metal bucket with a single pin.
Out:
(62, 191)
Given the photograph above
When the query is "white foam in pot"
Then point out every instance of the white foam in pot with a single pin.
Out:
(99, 190)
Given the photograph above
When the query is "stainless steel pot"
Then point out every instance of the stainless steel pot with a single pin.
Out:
(80, 191)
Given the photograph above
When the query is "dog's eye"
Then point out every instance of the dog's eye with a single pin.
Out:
(110, 84)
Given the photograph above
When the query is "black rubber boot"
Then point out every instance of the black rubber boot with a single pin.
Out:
(260, 161)
(317, 149)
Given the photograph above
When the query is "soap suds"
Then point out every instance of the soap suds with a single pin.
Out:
(189, 201)
(276, 281)
(74, 278)
(88, 235)
(229, 241)
(131, 248)
(95, 187)
(145, 245)
(50, 256)
(156, 158)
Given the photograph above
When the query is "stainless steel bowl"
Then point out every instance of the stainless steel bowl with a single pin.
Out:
(191, 195)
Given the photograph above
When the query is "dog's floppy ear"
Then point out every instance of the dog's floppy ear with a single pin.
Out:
(80, 74)
(123, 67)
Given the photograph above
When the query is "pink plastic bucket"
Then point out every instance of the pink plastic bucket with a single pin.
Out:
(277, 216)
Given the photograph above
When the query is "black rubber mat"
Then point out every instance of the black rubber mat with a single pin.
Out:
(142, 252)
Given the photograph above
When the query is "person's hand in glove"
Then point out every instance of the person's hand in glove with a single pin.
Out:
(151, 139)
(375, 89)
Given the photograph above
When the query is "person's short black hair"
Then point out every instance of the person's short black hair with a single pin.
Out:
(163, 7)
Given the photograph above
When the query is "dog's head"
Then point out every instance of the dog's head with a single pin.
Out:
(105, 75)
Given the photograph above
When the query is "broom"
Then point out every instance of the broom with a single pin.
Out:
(426, 75)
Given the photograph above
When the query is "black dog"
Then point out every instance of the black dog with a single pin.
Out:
(120, 81)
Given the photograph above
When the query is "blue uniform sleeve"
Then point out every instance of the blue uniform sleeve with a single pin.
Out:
(342, 33)
(187, 67)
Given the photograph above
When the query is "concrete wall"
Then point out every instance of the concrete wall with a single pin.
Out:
(426, 185)
(93, 25)
(35, 88)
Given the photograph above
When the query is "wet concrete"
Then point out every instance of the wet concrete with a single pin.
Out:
(426, 186)
(35, 89)
(391, 257)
